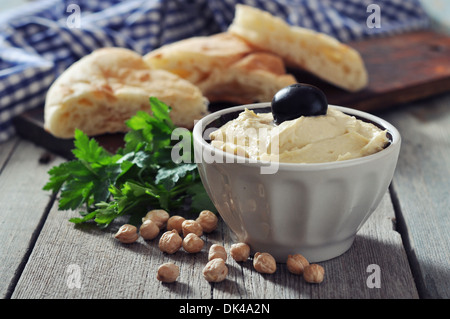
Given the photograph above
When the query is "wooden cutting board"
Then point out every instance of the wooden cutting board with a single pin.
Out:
(402, 68)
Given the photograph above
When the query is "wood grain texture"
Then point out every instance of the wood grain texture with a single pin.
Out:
(23, 205)
(113, 270)
(422, 188)
(6, 149)
(407, 236)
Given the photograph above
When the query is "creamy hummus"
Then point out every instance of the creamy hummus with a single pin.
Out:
(307, 139)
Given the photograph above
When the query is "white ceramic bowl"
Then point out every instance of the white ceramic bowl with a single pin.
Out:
(312, 209)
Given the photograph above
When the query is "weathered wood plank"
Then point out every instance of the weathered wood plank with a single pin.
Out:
(23, 205)
(5, 150)
(422, 188)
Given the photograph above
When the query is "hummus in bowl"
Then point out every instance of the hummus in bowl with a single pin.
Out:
(286, 207)
(332, 137)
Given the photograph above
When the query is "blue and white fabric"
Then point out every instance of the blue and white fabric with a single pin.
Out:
(40, 39)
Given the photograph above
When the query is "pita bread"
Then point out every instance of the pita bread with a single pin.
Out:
(224, 67)
(318, 53)
(254, 78)
(98, 93)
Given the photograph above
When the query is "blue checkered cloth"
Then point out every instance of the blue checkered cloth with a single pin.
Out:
(41, 39)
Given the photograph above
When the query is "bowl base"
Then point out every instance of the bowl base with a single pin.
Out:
(313, 254)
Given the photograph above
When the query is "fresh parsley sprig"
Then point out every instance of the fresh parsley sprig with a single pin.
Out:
(140, 176)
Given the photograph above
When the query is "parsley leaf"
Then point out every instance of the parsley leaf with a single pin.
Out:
(140, 176)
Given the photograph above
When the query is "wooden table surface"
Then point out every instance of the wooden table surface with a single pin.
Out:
(404, 246)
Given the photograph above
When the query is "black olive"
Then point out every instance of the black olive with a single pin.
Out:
(298, 100)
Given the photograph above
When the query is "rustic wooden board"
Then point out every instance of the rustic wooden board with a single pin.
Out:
(112, 270)
(109, 269)
(422, 191)
(23, 205)
(421, 186)
(6, 151)
(37, 249)
(402, 68)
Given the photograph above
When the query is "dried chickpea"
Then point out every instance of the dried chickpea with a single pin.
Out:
(191, 226)
(313, 273)
(217, 251)
(192, 243)
(127, 234)
(215, 270)
(159, 216)
(208, 220)
(175, 222)
(264, 263)
(240, 251)
(296, 263)
(170, 242)
(149, 229)
(168, 272)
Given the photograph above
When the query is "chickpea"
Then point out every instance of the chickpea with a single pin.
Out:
(175, 222)
(149, 229)
(215, 270)
(217, 251)
(240, 251)
(264, 263)
(168, 272)
(192, 243)
(208, 220)
(191, 226)
(296, 263)
(127, 234)
(159, 216)
(313, 273)
(170, 242)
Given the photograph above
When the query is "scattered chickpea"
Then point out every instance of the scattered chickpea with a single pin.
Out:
(175, 222)
(215, 270)
(191, 226)
(313, 273)
(208, 220)
(296, 263)
(192, 243)
(217, 251)
(240, 251)
(168, 272)
(170, 242)
(264, 263)
(127, 234)
(159, 216)
(149, 229)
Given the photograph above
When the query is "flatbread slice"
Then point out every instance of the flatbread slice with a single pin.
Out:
(98, 93)
(254, 78)
(225, 67)
(317, 53)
